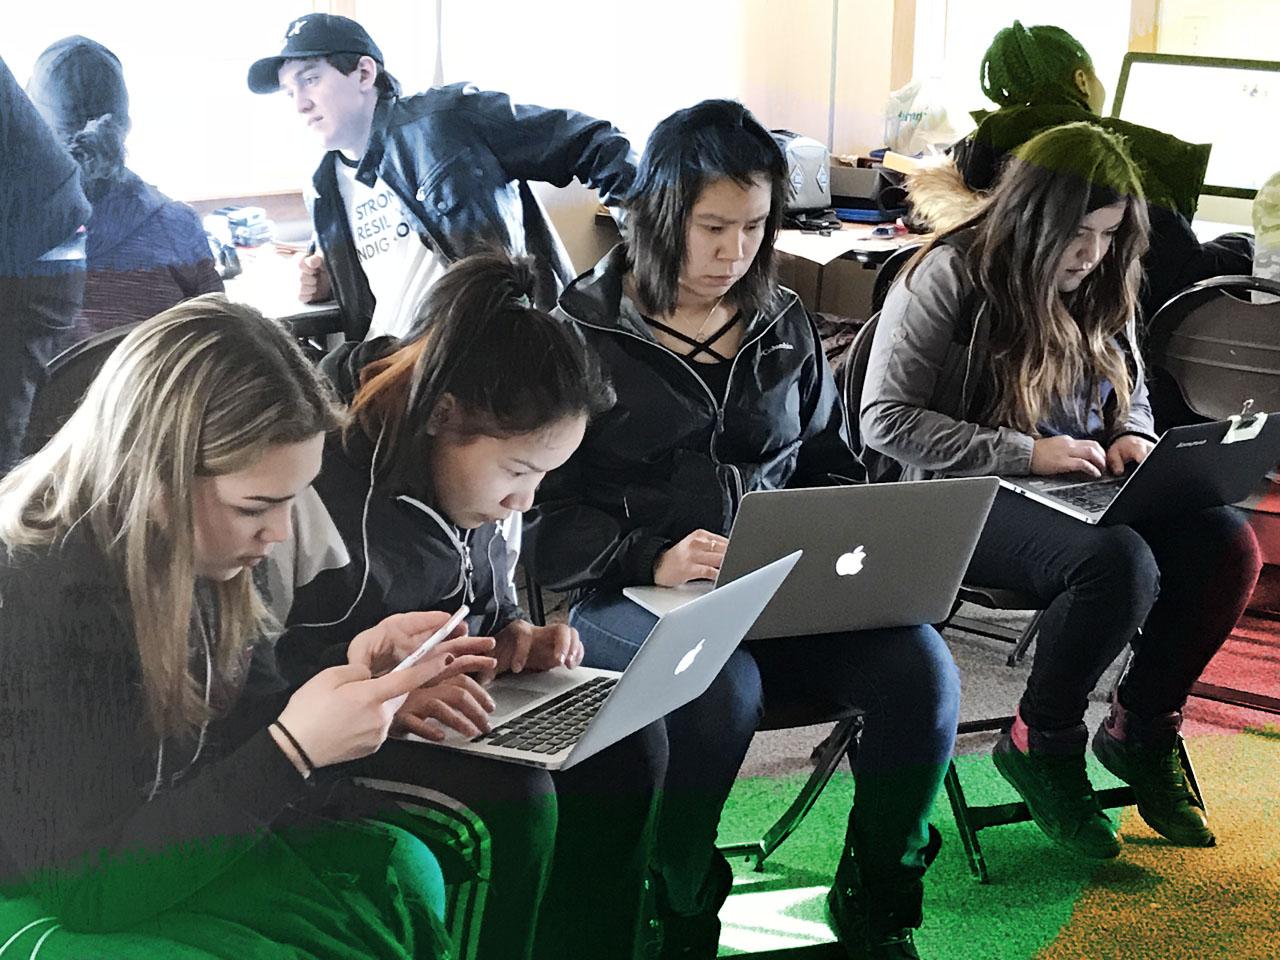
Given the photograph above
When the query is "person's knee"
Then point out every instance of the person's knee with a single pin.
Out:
(733, 706)
(923, 681)
(417, 870)
(1229, 545)
(1122, 571)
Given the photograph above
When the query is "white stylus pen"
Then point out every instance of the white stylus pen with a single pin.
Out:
(434, 640)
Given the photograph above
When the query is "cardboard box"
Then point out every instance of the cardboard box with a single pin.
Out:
(846, 285)
(852, 181)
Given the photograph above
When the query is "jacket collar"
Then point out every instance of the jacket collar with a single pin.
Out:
(597, 299)
(324, 180)
(367, 172)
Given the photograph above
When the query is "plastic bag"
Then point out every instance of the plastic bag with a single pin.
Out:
(919, 120)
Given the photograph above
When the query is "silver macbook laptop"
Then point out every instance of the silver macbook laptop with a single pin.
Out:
(875, 555)
(558, 718)
(1204, 465)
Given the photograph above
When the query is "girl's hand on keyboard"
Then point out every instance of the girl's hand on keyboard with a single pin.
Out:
(1125, 450)
(521, 646)
(459, 703)
(1053, 455)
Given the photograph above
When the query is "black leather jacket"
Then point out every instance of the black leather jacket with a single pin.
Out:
(459, 160)
(670, 457)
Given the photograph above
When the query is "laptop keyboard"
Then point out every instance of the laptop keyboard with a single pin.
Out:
(1091, 497)
(556, 724)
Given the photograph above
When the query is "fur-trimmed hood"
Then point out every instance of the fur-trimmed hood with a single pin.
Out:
(940, 199)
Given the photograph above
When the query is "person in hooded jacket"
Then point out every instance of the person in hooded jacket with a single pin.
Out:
(1042, 77)
(1007, 351)
(145, 252)
(723, 389)
(42, 214)
(452, 430)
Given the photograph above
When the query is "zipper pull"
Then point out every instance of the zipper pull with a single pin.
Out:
(468, 568)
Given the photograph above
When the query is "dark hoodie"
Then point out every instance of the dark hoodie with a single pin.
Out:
(77, 759)
(145, 251)
(416, 558)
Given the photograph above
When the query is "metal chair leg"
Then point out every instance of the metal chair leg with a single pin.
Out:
(829, 754)
(1024, 642)
(968, 835)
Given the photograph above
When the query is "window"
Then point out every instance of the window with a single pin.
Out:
(952, 36)
(197, 130)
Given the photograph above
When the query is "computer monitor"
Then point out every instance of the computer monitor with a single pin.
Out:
(1232, 104)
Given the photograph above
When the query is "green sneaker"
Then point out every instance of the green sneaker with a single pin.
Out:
(1057, 791)
(1165, 798)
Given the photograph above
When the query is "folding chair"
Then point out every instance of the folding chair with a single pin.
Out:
(68, 376)
(462, 847)
(1220, 348)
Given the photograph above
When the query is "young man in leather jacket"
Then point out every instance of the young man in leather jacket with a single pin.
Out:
(409, 184)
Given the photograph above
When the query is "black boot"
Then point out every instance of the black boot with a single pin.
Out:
(682, 936)
(1047, 769)
(877, 921)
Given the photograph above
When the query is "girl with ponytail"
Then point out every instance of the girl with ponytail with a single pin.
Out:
(451, 431)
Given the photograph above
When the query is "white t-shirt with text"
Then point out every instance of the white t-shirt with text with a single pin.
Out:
(399, 266)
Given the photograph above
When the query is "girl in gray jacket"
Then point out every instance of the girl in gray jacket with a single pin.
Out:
(1007, 350)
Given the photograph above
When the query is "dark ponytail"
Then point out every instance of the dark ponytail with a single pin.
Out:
(1033, 66)
(509, 367)
(99, 150)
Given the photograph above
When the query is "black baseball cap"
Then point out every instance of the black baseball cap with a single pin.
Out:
(313, 35)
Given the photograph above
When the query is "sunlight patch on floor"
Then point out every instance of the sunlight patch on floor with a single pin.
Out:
(767, 920)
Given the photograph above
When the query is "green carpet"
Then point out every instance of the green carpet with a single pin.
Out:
(1156, 901)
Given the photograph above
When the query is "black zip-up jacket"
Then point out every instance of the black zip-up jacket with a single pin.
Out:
(417, 559)
(459, 159)
(670, 457)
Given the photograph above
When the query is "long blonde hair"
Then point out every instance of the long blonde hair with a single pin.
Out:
(202, 389)
(1044, 345)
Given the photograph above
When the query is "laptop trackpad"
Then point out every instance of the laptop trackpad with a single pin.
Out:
(509, 697)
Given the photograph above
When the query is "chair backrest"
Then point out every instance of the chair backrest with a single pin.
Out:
(1219, 347)
(68, 376)
(853, 371)
(889, 271)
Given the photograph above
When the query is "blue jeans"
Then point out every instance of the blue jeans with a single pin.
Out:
(905, 681)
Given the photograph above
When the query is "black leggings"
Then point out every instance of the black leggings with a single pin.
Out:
(1183, 579)
(570, 849)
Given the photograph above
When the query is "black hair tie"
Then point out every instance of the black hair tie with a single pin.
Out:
(311, 767)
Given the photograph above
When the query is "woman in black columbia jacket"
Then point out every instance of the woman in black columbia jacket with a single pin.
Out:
(723, 389)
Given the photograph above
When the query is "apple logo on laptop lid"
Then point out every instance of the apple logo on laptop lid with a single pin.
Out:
(687, 660)
(849, 564)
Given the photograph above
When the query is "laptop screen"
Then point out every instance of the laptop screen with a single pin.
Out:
(1232, 104)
